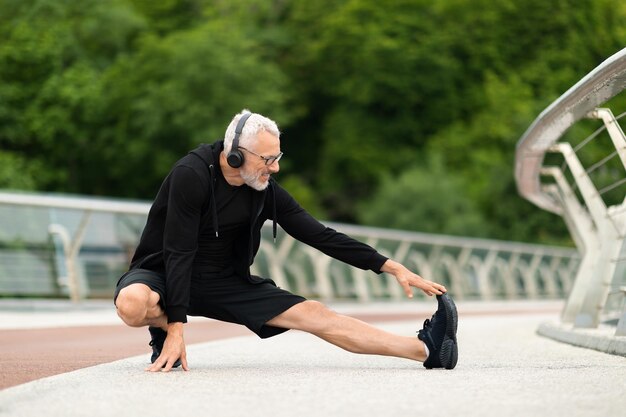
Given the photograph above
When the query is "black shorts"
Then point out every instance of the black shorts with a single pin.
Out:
(225, 297)
(152, 279)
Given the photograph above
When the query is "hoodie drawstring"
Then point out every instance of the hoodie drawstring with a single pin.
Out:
(274, 214)
(213, 204)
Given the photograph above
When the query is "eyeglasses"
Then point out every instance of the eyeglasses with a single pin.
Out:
(269, 160)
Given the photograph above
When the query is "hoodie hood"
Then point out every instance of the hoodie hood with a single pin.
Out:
(210, 155)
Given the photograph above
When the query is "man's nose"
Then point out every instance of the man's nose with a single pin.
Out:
(274, 167)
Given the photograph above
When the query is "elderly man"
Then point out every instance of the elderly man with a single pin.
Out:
(201, 237)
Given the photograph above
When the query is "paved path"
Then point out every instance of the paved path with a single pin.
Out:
(42, 338)
(504, 369)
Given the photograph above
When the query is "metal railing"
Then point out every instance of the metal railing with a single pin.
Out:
(79, 247)
(470, 268)
(584, 182)
(50, 230)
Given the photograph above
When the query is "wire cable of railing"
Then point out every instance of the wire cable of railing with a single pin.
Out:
(602, 162)
(591, 137)
(612, 186)
(596, 133)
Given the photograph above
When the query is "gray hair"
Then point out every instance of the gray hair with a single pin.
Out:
(256, 123)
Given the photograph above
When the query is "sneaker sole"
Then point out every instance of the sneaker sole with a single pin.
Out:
(449, 352)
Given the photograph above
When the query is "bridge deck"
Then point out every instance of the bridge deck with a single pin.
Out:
(504, 369)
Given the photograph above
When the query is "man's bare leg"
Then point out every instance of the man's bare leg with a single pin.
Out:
(137, 305)
(348, 333)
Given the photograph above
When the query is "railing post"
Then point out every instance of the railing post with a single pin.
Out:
(585, 234)
(614, 129)
(621, 324)
(71, 249)
(610, 238)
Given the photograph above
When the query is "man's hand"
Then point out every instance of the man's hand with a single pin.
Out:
(408, 279)
(173, 349)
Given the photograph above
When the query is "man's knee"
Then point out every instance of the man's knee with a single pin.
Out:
(315, 308)
(132, 304)
(311, 316)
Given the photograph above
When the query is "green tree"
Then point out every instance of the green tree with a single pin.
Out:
(178, 91)
(165, 16)
(52, 54)
(101, 96)
(425, 198)
(386, 82)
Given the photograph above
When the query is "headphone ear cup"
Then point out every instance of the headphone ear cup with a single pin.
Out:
(235, 158)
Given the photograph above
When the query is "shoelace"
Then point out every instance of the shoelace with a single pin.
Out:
(153, 342)
(427, 326)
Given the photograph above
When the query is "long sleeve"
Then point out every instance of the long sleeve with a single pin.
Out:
(180, 238)
(302, 226)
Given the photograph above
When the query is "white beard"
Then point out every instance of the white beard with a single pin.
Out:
(253, 180)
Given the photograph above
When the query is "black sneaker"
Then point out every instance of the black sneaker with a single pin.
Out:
(439, 334)
(158, 336)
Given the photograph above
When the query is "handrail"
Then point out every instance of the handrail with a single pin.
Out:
(599, 86)
(107, 205)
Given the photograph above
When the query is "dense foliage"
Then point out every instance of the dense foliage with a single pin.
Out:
(398, 114)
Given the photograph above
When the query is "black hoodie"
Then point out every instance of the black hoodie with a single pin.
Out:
(186, 203)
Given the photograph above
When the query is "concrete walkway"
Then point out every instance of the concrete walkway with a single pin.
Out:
(504, 369)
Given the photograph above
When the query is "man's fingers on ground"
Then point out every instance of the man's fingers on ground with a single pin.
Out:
(158, 364)
(154, 367)
(168, 366)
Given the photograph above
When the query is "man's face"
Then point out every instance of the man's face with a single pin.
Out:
(254, 171)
